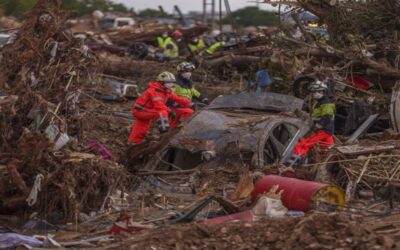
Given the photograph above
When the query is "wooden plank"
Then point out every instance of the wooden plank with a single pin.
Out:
(359, 149)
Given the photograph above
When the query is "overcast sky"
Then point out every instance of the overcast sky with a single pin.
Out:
(185, 5)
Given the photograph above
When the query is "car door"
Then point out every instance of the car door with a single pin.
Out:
(280, 142)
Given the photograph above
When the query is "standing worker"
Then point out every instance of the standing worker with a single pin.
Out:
(262, 83)
(151, 106)
(171, 50)
(323, 118)
(182, 46)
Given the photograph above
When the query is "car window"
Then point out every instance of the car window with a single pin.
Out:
(284, 133)
(121, 23)
(278, 141)
(106, 23)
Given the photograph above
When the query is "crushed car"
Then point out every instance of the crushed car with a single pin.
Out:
(260, 128)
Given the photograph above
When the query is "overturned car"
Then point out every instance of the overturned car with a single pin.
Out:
(254, 128)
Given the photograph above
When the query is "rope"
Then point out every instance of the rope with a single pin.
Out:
(32, 198)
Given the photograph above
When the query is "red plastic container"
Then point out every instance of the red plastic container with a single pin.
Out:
(360, 82)
(298, 194)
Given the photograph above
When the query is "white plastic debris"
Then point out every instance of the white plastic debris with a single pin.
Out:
(208, 155)
(61, 141)
(266, 206)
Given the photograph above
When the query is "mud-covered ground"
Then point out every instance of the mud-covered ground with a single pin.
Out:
(314, 231)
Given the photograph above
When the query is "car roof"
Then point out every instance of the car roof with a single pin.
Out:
(265, 101)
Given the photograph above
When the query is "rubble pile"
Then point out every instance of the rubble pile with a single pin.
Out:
(44, 68)
(65, 116)
(42, 75)
(9, 23)
(315, 231)
(363, 168)
(357, 42)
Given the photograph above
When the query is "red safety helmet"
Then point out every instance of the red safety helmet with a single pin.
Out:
(176, 34)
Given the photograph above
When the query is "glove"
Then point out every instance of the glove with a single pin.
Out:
(192, 105)
(318, 126)
(294, 161)
(172, 114)
(205, 101)
(163, 125)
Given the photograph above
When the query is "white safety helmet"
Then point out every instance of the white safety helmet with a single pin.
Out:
(185, 66)
(98, 14)
(166, 77)
(317, 85)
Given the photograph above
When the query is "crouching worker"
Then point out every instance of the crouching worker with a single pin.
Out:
(323, 119)
(185, 87)
(151, 105)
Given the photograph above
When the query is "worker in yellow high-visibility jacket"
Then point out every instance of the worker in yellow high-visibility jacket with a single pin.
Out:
(163, 40)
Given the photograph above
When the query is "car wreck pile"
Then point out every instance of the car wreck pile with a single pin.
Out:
(64, 124)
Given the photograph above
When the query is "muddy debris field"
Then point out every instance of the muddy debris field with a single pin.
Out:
(223, 178)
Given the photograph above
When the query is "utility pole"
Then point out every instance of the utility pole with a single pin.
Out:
(220, 16)
(161, 10)
(212, 15)
(204, 11)
(205, 19)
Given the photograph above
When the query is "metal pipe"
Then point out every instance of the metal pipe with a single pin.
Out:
(212, 15)
(204, 11)
(161, 10)
(220, 16)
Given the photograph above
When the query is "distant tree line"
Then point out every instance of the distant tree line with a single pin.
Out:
(148, 13)
(252, 16)
(249, 16)
(18, 8)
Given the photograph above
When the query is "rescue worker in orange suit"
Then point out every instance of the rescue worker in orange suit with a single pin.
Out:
(151, 105)
(323, 119)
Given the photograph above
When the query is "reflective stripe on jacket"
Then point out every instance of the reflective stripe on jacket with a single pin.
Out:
(162, 42)
(323, 114)
(185, 88)
(195, 48)
(187, 93)
(210, 50)
(172, 52)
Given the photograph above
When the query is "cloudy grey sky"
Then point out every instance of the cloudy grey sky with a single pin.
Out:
(185, 5)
